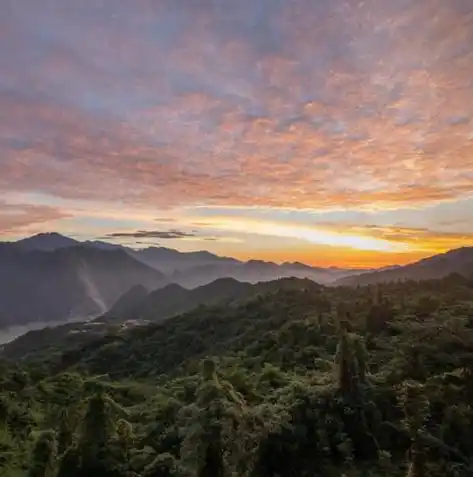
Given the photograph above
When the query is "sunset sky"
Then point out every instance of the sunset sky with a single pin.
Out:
(333, 132)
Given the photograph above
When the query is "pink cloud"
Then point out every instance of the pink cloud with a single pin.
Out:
(17, 217)
(352, 107)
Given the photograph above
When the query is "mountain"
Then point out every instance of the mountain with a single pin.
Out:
(174, 299)
(47, 242)
(193, 269)
(458, 261)
(69, 282)
(105, 245)
(255, 271)
(126, 305)
(219, 298)
(170, 261)
(50, 277)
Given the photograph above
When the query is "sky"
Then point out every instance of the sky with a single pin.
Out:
(331, 132)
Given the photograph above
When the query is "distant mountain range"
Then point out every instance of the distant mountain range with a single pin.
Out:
(67, 283)
(51, 277)
(192, 269)
(458, 261)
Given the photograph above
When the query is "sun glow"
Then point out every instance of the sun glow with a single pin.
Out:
(314, 234)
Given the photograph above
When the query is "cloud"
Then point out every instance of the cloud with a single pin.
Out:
(305, 109)
(147, 234)
(304, 233)
(150, 244)
(17, 217)
(387, 239)
(414, 238)
(322, 106)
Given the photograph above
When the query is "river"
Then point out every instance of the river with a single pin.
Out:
(13, 332)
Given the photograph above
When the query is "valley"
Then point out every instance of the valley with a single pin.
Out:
(320, 378)
(13, 332)
(50, 277)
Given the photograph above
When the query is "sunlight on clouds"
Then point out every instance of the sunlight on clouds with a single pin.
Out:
(333, 116)
(334, 135)
(313, 235)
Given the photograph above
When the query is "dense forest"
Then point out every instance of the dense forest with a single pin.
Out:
(301, 380)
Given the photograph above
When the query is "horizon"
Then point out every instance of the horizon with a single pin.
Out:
(278, 262)
(334, 133)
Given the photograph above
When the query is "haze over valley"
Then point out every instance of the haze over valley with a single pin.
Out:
(53, 278)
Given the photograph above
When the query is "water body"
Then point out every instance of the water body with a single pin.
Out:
(13, 332)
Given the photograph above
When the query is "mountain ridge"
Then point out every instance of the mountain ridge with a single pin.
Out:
(50, 277)
(455, 261)
(69, 282)
(173, 299)
(57, 240)
(192, 269)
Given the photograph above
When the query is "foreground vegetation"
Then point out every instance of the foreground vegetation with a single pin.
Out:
(300, 381)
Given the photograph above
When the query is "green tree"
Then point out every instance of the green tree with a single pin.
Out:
(213, 445)
(43, 460)
(68, 426)
(164, 465)
(70, 465)
(99, 427)
(415, 405)
(361, 356)
(124, 437)
(346, 364)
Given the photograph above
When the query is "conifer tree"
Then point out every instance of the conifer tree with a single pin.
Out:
(44, 456)
(361, 357)
(98, 429)
(351, 366)
(346, 365)
(70, 465)
(68, 421)
(212, 443)
(416, 409)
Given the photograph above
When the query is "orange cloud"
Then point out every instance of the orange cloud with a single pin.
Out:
(317, 105)
(416, 240)
(26, 217)
(293, 167)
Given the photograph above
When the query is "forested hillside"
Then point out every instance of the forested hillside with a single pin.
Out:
(173, 299)
(296, 381)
